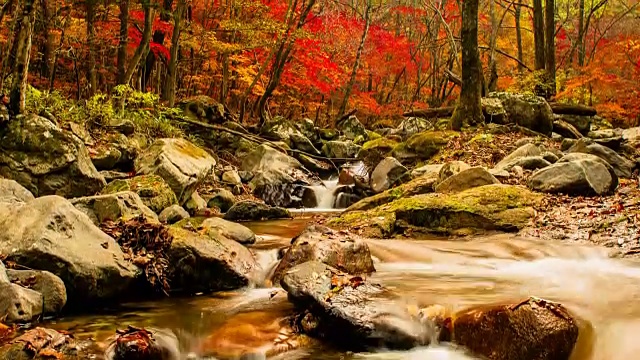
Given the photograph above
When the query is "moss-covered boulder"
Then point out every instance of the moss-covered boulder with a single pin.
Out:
(282, 129)
(46, 159)
(111, 207)
(254, 211)
(527, 110)
(340, 149)
(352, 128)
(374, 151)
(152, 189)
(489, 207)
(424, 145)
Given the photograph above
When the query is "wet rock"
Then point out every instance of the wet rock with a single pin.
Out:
(488, 207)
(529, 111)
(387, 173)
(350, 311)
(152, 190)
(621, 166)
(534, 329)
(42, 344)
(352, 128)
(181, 164)
(11, 191)
(49, 233)
(340, 149)
(199, 264)
(580, 122)
(223, 199)
(345, 177)
(215, 227)
(50, 287)
(195, 204)
(528, 163)
(466, 179)
(111, 207)
(523, 151)
(19, 304)
(250, 211)
(173, 214)
(320, 243)
(428, 170)
(280, 179)
(46, 160)
(413, 125)
(144, 344)
(575, 174)
(424, 145)
(451, 168)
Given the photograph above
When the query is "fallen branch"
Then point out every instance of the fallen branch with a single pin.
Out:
(572, 109)
(431, 113)
(566, 130)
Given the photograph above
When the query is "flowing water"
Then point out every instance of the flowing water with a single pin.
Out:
(453, 273)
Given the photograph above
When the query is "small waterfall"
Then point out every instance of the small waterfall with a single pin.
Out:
(325, 193)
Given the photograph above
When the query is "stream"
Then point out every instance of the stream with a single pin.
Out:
(454, 273)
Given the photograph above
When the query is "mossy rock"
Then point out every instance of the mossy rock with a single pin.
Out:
(152, 189)
(489, 207)
(424, 145)
(374, 151)
(380, 143)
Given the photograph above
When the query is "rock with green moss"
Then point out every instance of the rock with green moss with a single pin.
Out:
(183, 165)
(282, 129)
(152, 189)
(352, 128)
(111, 207)
(525, 150)
(420, 185)
(466, 179)
(340, 149)
(328, 134)
(424, 145)
(253, 211)
(387, 173)
(46, 160)
(173, 214)
(493, 111)
(527, 110)
(198, 263)
(215, 227)
(489, 207)
(223, 199)
(374, 151)
(115, 150)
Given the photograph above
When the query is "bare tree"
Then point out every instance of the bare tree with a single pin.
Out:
(550, 53)
(538, 34)
(22, 41)
(170, 92)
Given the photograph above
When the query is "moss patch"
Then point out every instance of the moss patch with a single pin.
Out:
(382, 143)
(152, 189)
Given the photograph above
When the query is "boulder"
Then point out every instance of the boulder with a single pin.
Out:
(534, 329)
(46, 160)
(181, 164)
(350, 311)
(413, 125)
(50, 287)
(111, 175)
(223, 199)
(253, 211)
(625, 134)
(451, 168)
(493, 111)
(466, 179)
(387, 173)
(199, 264)
(204, 108)
(231, 177)
(173, 214)
(281, 129)
(195, 204)
(523, 151)
(424, 145)
(622, 167)
(582, 123)
(279, 180)
(302, 143)
(529, 111)
(19, 304)
(374, 151)
(566, 144)
(214, 227)
(340, 149)
(49, 233)
(152, 190)
(336, 249)
(321, 167)
(352, 128)
(550, 157)
(111, 207)
(528, 163)
(116, 150)
(575, 174)
(309, 129)
(11, 191)
(428, 170)
(488, 207)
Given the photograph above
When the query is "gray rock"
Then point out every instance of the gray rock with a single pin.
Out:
(523, 151)
(111, 207)
(106, 157)
(320, 243)
(231, 177)
(223, 199)
(11, 191)
(180, 163)
(110, 175)
(301, 142)
(215, 227)
(354, 315)
(249, 210)
(50, 287)
(19, 304)
(173, 214)
(528, 163)
(308, 129)
(451, 168)
(340, 149)
(195, 204)
(529, 111)
(518, 171)
(466, 179)
(352, 128)
(626, 134)
(621, 165)
(413, 125)
(388, 172)
(200, 264)
(550, 157)
(580, 122)
(567, 144)
(3, 274)
(46, 160)
(50, 234)
(427, 170)
(575, 174)
(493, 111)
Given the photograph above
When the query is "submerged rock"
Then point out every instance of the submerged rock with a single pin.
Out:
(111, 207)
(46, 159)
(333, 248)
(466, 179)
(152, 190)
(49, 233)
(180, 163)
(249, 210)
(387, 173)
(349, 310)
(143, 344)
(534, 329)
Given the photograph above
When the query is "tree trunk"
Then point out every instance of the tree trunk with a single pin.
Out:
(48, 46)
(550, 53)
(469, 107)
(144, 42)
(538, 34)
(518, 8)
(492, 84)
(580, 40)
(123, 40)
(91, 41)
(23, 33)
(356, 63)
(158, 38)
(173, 61)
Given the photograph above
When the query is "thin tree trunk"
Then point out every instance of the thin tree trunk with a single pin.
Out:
(54, 67)
(580, 40)
(469, 107)
(23, 34)
(550, 53)
(158, 37)
(538, 34)
(356, 63)
(144, 42)
(47, 49)
(173, 62)
(492, 84)
(518, 8)
(91, 41)
(123, 40)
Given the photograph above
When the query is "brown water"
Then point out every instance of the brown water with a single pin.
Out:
(453, 273)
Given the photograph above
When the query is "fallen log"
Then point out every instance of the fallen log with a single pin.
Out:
(431, 113)
(573, 109)
(566, 130)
